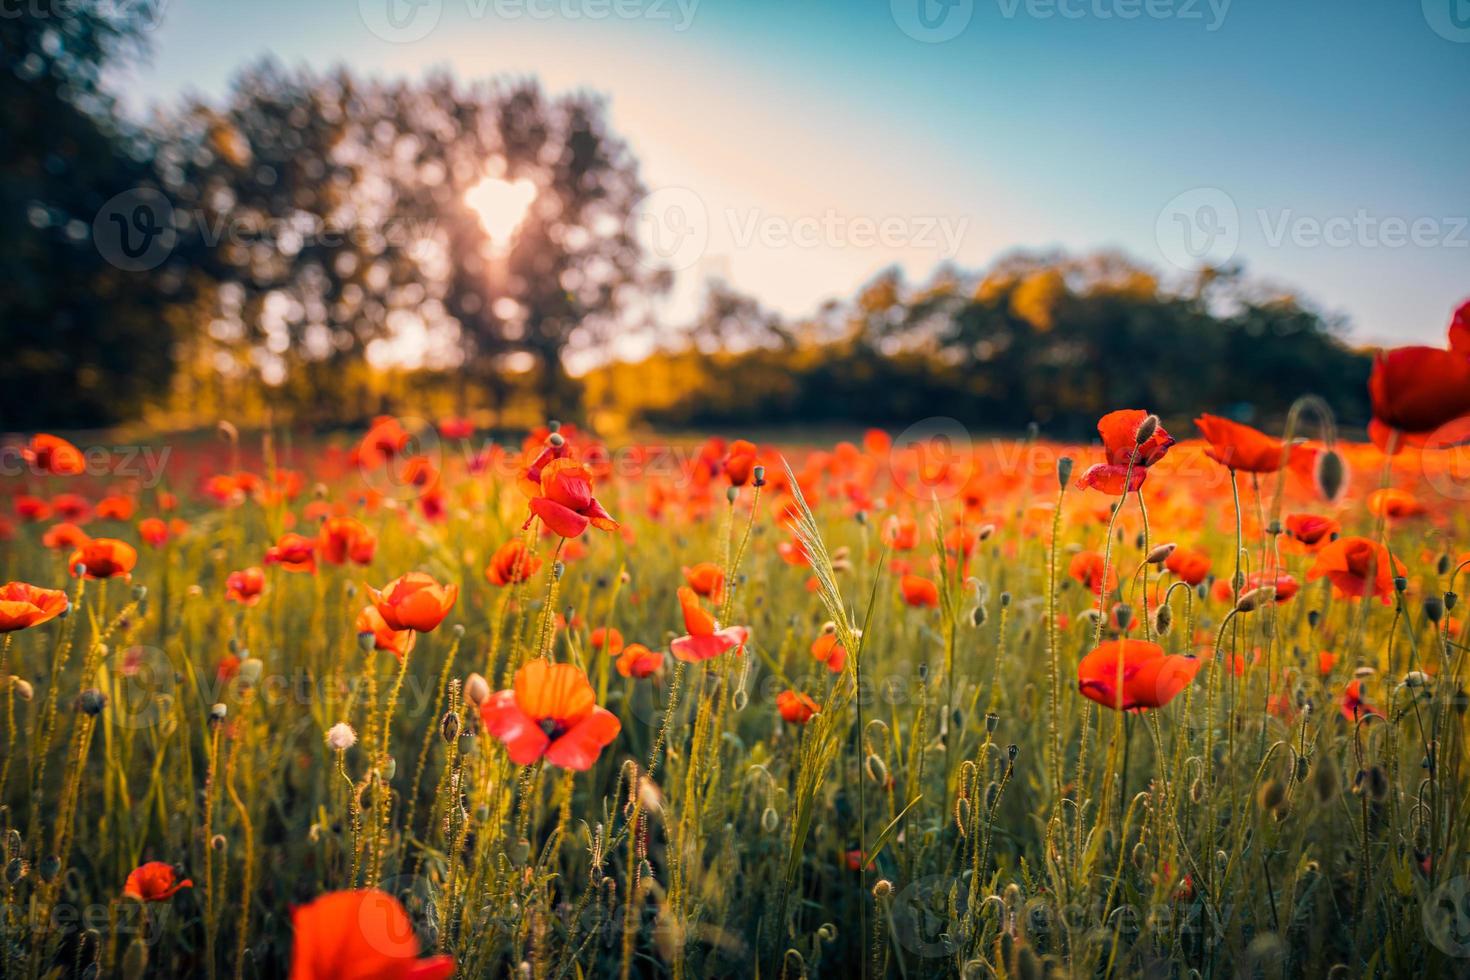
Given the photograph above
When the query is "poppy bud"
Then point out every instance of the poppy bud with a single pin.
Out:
(977, 618)
(1160, 553)
(1433, 608)
(1005, 599)
(217, 714)
(1274, 528)
(1064, 471)
(1400, 584)
(1146, 430)
(365, 642)
(991, 721)
(1450, 598)
(449, 727)
(558, 569)
(1255, 598)
(1329, 474)
(758, 476)
(985, 532)
(1163, 619)
(1444, 564)
(732, 494)
(22, 688)
(389, 769)
(91, 702)
(769, 820)
(1271, 795)
(457, 629)
(1314, 617)
(1123, 615)
(883, 888)
(556, 440)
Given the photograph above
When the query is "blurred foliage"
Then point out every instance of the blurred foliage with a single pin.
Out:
(326, 267)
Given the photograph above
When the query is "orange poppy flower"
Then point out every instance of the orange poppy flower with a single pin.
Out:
(553, 447)
(705, 638)
(901, 533)
(155, 881)
(115, 508)
(919, 591)
(1243, 448)
(245, 586)
(607, 639)
(385, 439)
(153, 531)
(551, 711)
(414, 602)
(1151, 678)
(103, 558)
(1311, 530)
(1358, 567)
(1415, 390)
(793, 552)
(796, 708)
(1354, 706)
(639, 661)
(1087, 567)
(565, 504)
(826, 649)
(512, 562)
(23, 605)
(293, 552)
(385, 637)
(1394, 503)
(1285, 586)
(707, 579)
(1190, 565)
(54, 455)
(344, 539)
(739, 462)
(1119, 431)
(64, 535)
(362, 934)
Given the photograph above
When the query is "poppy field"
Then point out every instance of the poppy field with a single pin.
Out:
(420, 700)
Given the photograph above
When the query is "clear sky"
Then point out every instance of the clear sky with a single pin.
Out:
(808, 145)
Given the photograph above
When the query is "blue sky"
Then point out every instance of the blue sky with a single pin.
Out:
(1324, 144)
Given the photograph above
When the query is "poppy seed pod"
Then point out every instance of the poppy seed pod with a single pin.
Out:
(1433, 608)
(758, 476)
(1329, 474)
(1400, 584)
(1450, 598)
(1123, 615)
(1443, 565)
(1064, 471)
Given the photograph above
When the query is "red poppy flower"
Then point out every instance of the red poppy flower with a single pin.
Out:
(1151, 678)
(362, 935)
(245, 586)
(54, 455)
(1354, 707)
(739, 462)
(385, 439)
(707, 579)
(65, 535)
(607, 639)
(551, 710)
(796, 708)
(1190, 565)
(918, 591)
(552, 449)
(1119, 431)
(1286, 586)
(901, 533)
(456, 428)
(1415, 390)
(154, 531)
(385, 637)
(29, 508)
(104, 558)
(826, 649)
(1460, 329)
(71, 507)
(793, 552)
(705, 638)
(23, 605)
(115, 508)
(344, 539)
(154, 881)
(512, 562)
(1243, 448)
(566, 504)
(1394, 503)
(1358, 567)
(414, 602)
(639, 661)
(293, 552)
(1311, 529)
(1087, 567)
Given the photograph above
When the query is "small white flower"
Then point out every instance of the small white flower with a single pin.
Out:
(341, 736)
